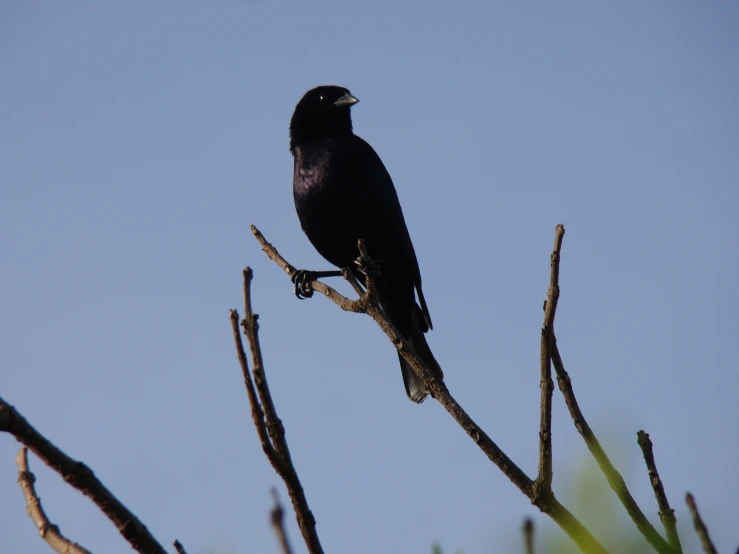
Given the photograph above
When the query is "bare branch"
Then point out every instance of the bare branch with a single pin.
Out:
(544, 480)
(700, 527)
(528, 535)
(437, 388)
(543, 499)
(666, 514)
(269, 427)
(81, 478)
(356, 306)
(49, 532)
(257, 413)
(612, 475)
(277, 517)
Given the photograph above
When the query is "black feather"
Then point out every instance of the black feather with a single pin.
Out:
(342, 193)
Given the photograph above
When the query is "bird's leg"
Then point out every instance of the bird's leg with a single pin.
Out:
(302, 279)
(369, 267)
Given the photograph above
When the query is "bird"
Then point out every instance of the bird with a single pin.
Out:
(343, 193)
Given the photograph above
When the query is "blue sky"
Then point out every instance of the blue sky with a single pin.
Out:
(140, 139)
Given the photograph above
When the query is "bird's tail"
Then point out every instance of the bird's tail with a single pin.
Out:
(414, 387)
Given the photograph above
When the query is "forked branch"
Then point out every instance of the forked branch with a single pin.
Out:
(268, 425)
(543, 499)
(543, 482)
(81, 478)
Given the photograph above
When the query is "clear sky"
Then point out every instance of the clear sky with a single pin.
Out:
(139, 139)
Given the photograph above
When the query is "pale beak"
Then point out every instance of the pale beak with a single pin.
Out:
(346, 100)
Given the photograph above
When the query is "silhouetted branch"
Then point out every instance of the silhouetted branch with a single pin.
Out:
(700, 527)
(81, 478)
(543, 499)
(666, 514)
(49, 532)
(612, 475)
(277, 517)
(269, 427)
(528, 535)
(547, 386)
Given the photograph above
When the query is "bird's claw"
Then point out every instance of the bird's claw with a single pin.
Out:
(368, 267)
(302, 280)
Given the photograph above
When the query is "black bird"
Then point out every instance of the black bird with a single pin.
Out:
(342, 193)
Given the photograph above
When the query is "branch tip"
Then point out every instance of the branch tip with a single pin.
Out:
(528, 535)
(700, 527)
(666, 514)
(614, 478)
(277, 518)
(47, 530)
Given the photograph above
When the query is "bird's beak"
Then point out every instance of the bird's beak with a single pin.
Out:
(346, 100)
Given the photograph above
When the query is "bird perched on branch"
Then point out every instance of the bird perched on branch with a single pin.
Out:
(343, 193)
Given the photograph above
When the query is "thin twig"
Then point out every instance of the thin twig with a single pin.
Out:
(269, 427)
(528, 535)
(49, 532)
(277, 517)
(81, 478)
(544, 500)
(257, 413)
(700, 527)
(612, 475)
(356, 306)
(544, 480)
(666, 514)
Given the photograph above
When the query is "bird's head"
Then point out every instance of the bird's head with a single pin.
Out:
(322, 112)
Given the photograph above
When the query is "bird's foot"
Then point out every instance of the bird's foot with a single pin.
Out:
(368, 267)
(302, 280)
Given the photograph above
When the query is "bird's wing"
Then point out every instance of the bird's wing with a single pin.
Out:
(380, 191)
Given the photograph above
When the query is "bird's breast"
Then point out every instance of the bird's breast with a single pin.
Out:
(311, 172)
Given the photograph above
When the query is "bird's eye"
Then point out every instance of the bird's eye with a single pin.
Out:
(320, 98)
